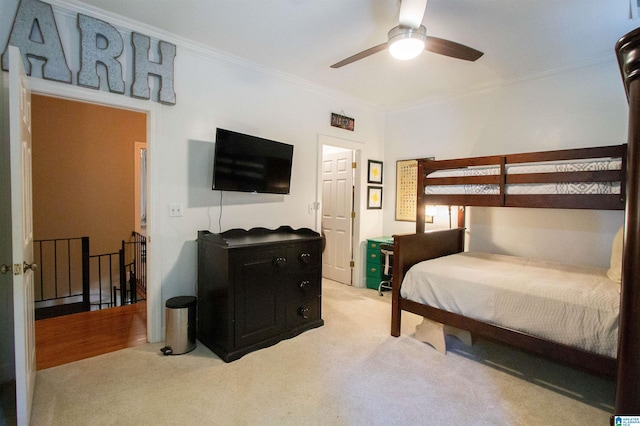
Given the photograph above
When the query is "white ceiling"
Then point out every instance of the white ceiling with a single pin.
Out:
(521, 39)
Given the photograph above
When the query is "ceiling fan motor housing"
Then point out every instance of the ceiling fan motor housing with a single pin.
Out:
(406, 42)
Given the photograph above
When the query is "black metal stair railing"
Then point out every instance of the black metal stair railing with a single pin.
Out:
(133, 271)
(69, 280)
(105, 275)
(61, 284)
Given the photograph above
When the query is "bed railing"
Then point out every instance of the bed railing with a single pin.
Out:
(487, 181)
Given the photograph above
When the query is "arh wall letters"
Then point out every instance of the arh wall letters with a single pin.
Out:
(35, 33)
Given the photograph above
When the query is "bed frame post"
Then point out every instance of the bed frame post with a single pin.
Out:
(397, 272)
(413, 248)
(420, 213)
(628, 373)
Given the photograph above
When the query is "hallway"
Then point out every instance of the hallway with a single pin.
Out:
(69, 338)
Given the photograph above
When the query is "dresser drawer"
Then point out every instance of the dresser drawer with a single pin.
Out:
(374, 270)
(303, 287)
(374, 256)
(302, 312)
(374, 274)
(304, 256)
(375, 244)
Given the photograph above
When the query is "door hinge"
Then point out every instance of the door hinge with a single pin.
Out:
(353, 215)
(353, 165)
(352, 264)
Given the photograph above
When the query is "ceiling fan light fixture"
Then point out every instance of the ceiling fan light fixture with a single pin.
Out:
(406, 43)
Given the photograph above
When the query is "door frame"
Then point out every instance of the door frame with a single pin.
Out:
(137, 183)
(153, 112)
(356, 147)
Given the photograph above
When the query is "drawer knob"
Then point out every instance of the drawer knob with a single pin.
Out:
(280, 262)
(305, 285)
(303, 312)
(305, 258)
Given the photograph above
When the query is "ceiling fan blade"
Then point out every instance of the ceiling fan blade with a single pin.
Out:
(452, 49)
(360, 55)
(412, 13)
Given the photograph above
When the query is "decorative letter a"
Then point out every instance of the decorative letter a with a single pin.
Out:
(35, 33)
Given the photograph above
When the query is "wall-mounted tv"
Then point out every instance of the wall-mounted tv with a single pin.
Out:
(251, 164)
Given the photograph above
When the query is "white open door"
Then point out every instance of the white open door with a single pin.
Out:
(21, 235)
(337, 205)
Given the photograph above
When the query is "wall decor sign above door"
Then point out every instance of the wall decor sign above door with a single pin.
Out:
(35, 33)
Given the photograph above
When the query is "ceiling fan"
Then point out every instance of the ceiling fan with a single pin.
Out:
(409, 39)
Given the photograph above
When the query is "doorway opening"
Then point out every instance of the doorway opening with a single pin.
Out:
(87, 187)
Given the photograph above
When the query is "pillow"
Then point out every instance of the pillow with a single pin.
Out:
(615, 268)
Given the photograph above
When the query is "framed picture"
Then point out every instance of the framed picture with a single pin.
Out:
(374, 197)
(406, 191)
(375, 172)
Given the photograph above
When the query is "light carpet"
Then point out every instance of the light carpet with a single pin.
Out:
(348, 372)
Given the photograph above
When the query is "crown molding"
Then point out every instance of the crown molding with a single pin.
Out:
(601, 59)
(71, 8)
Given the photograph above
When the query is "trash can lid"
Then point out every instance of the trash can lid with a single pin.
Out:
(181, 302)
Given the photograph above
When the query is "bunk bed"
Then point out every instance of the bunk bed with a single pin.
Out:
(601, 178)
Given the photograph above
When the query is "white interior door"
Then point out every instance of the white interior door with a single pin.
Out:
(21, 235)
(337, 205)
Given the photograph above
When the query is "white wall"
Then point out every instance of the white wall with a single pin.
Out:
(578, 108)
(214, 90)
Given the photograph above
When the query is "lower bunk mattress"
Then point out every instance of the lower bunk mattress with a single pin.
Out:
(574, 305)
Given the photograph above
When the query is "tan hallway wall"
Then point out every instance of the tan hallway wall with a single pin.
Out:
(83, 183)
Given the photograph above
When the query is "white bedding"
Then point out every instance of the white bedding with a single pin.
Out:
(543, 188)
(577, 306)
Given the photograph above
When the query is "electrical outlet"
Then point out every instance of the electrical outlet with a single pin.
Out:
(175, 210)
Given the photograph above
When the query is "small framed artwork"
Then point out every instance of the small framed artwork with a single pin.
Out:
(375, 172)
(374, 197)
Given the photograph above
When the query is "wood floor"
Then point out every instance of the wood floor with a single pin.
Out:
(74, 337)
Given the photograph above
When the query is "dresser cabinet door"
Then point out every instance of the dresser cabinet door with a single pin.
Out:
(259, 295)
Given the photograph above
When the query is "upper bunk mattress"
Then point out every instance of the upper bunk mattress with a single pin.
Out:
(537, 188)
(573, 305)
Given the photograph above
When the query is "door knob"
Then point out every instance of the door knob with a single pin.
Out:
(32, 266)
(5, 268)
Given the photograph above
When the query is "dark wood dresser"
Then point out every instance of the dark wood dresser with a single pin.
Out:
(257, 287)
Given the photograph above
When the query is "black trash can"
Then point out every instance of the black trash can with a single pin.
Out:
(181, 325)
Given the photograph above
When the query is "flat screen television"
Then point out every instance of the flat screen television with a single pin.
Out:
(247, 163)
